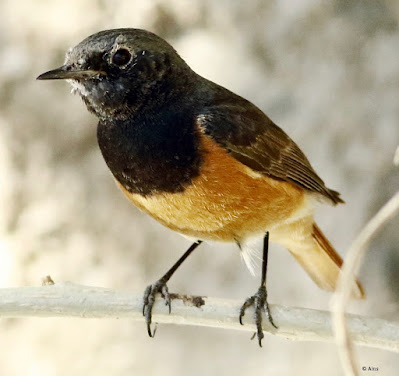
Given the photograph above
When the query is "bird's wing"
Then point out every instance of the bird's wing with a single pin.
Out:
(254, 140)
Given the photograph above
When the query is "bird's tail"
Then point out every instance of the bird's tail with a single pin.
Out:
(320, 260)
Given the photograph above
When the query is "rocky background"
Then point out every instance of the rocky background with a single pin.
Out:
(326, 72)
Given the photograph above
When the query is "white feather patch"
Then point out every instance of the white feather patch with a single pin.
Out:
(78, 88)
(251, 253)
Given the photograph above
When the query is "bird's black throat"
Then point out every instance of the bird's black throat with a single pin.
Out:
(153, 151)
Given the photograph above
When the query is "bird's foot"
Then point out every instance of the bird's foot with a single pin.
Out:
(259, 301)
(159, 287)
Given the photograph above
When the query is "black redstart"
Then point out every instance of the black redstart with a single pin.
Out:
(198, 158)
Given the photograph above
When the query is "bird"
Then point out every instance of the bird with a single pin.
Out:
(200, 159)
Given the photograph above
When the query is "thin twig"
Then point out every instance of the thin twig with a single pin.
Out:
(396, 157)
(70, 300)
(346, 281)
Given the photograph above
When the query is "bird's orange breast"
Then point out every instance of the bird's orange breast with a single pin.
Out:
(228, 201)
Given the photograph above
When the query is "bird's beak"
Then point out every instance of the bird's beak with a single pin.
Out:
(67, 72)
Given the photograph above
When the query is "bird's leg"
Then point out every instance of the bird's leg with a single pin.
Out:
(259, 300)
(161, 288)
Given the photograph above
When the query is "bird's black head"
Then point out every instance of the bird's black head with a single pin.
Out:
(117, 72)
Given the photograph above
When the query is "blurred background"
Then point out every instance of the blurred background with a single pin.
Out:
(326, 72)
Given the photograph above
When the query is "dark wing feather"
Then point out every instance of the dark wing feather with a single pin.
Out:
(254, 140)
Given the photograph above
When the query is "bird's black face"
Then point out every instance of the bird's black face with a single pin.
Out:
(118, 71)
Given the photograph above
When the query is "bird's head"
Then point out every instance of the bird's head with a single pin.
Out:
(117, 72)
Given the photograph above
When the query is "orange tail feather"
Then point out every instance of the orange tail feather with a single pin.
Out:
(323, 264)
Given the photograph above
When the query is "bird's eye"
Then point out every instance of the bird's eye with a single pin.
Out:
(121, 57)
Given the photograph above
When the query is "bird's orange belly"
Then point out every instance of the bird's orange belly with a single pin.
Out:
(227, 202)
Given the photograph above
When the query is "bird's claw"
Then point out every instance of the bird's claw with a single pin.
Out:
(149, 299)
(259, 301)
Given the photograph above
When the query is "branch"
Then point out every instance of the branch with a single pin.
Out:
(346, 280)
(70, 300)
